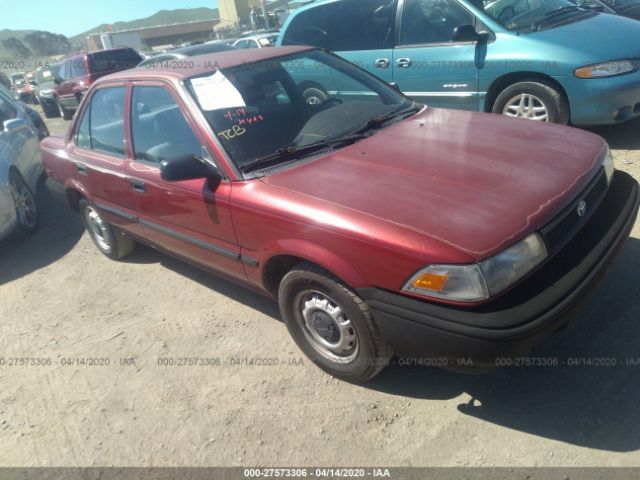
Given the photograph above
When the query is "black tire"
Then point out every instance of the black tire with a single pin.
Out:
(64, 112)
(307, 283)
(25, 204)
(112, 243)
(554, 102)
(315, 96)
(50, 110)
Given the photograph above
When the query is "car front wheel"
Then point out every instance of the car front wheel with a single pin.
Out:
(113, 244)
(533, 100)
(331, 324)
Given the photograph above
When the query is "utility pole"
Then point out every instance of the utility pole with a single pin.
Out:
(264, 14)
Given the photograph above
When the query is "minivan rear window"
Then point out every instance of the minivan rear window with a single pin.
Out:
(113, 60)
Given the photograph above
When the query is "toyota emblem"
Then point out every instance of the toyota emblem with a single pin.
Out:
(582, 209)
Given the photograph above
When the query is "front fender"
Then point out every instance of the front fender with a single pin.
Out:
(317, 254)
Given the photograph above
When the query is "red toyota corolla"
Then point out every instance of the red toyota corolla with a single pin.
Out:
(380, 225)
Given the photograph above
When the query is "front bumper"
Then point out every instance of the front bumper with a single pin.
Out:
(478, 338)
(601, 101)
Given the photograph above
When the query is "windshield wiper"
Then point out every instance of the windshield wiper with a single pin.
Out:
(376, 121)
(290, 151)
(558, 12)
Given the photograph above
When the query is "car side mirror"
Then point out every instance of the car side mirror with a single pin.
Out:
(395, 86)
(14, 124)
(187, 167)
(467, 33)
(57, 80)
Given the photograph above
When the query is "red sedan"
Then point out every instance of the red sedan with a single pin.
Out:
(380, 225)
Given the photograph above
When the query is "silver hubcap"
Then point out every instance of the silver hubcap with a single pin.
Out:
(98, 228)
(25, 204)
(328, 328)
(528, 106)
(313, 100)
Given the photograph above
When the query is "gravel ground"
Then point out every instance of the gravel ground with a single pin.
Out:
(61, 300)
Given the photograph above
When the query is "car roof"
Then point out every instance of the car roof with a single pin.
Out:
(203, 63)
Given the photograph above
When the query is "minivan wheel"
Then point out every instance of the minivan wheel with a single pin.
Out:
(64, 113)
(25, 204)
(533, 100)
(114, 245)
(331, 324)
(315, 96)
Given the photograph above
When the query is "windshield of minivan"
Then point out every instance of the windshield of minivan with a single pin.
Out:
(46, 74)
(534, 15)
(621, 5)
(275, 109)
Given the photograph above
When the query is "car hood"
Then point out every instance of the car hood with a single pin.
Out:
(477, 182)
(598, 38)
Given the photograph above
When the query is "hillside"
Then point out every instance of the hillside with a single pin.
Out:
(163, 17)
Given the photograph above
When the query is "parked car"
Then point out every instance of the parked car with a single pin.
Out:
(20, 168)
(26, 111)
(524, 58)
(21, 87)
(45, 87)
(380, 225)
(78, 72)
(261, 40)
(167, 58)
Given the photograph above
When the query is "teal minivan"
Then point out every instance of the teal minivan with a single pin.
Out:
(545, 60)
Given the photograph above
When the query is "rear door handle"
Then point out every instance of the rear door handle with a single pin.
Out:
(382, 63)
(82, 169)
(403, 63)
(137, 185)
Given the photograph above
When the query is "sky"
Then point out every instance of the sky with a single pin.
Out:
(71, 17)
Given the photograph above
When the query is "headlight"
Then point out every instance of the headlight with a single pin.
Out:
(477, 282)
(607, 69)
(608, 165)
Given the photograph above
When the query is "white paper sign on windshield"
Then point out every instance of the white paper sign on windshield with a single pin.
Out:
(217, 92)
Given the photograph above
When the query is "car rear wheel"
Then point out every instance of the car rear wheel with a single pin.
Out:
(331, 324)
(25, 204)
(315, 96)
(533, 100)
(64, 113)
(50, 109)
(113, 244)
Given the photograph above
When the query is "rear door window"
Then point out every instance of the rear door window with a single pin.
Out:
(364, 25)
(159, 130)
(312, 27)
(106, 121)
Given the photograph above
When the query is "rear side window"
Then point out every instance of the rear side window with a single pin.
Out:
(113, 60)
(364, 25)
(158, 128)
(312, 27)
(106, 117)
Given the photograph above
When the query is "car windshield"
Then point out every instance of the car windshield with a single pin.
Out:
(276, 109)
(533, 15)
(621, 5)
(112, 60)
(46, 74)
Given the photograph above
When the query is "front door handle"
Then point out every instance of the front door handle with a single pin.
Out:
(403, 63)
(382, 63)
(82, 169)
(137, 185)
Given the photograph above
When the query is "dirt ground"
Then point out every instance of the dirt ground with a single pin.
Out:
(61, 301)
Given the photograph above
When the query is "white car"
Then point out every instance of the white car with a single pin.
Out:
(20, 169)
